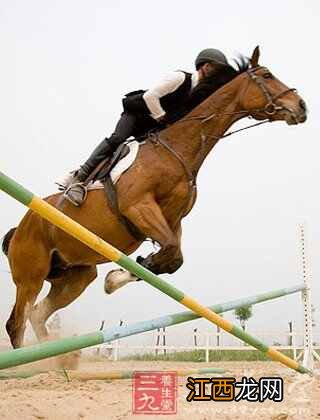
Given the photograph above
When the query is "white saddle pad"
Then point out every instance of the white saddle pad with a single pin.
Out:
(122, 166)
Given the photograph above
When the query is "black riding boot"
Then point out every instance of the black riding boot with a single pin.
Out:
(103, 149)
(76, 192)
(123, 131)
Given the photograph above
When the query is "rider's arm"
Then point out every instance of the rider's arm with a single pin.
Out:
(167, 85)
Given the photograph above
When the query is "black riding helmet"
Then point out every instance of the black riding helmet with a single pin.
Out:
(211, 55)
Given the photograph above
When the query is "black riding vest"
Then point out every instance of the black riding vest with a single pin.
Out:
(174, 103)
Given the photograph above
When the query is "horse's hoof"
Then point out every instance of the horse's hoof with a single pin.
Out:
(116, 279)
(16, 343)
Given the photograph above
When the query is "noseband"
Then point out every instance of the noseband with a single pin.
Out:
(271, 108)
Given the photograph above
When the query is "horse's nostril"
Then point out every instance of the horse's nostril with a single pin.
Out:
(303, 105)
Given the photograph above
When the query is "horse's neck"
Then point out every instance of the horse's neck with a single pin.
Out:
(194, 140)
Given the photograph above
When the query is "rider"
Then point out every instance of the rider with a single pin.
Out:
(163, 104)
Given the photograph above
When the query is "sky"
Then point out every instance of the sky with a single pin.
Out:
(65, 66)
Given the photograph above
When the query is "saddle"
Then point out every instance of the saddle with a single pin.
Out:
(102, 174)
(102, 171)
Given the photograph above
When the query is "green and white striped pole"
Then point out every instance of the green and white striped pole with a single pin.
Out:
(65, 223)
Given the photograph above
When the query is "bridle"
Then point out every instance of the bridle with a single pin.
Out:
(270, 108)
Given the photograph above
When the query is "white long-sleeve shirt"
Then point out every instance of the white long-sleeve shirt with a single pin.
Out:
(168, 84)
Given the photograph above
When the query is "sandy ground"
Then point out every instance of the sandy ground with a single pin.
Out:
(50, 396)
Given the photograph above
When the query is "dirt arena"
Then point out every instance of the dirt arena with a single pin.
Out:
(51, 396)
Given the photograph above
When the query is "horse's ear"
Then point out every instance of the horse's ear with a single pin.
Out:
(255, 57)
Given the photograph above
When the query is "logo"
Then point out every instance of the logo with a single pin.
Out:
(154, 393)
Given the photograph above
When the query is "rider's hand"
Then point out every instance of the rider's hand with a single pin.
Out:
(161, 119)
(162, 122)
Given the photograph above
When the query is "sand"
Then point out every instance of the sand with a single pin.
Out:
(50, 396)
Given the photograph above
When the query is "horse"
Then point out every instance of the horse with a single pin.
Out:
(154, 195)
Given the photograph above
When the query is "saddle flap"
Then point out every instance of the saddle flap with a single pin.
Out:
(121, 152)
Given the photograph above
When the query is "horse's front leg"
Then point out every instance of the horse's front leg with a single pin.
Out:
(168, 259)
(149, 219)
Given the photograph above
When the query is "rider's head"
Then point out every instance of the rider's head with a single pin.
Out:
(209, 61)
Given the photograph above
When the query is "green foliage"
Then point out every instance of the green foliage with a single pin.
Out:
(243, 313)
(199, 356)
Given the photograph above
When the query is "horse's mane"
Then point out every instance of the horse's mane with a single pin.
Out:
(211, 84)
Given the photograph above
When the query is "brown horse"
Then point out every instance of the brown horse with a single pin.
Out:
(154, 195)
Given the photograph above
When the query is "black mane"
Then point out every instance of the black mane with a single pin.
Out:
(210, 84)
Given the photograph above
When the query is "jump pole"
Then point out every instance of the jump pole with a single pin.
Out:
(79, 232)
(37, 352)
(127, 374)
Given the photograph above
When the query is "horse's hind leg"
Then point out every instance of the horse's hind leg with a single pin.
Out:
(28, 274)
(63, 291)
(27, 292)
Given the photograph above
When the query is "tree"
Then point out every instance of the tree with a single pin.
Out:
(243, 314)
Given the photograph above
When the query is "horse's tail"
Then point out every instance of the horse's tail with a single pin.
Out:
(6, 240)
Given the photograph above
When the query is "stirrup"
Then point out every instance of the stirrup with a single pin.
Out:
(76, 193)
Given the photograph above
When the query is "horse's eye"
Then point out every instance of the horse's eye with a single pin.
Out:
(267, 76)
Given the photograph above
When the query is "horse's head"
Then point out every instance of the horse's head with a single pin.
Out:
(266, 97)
